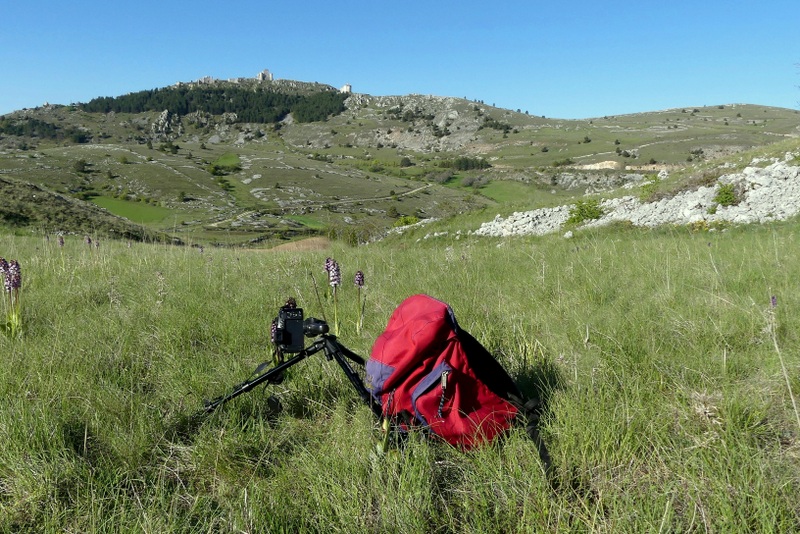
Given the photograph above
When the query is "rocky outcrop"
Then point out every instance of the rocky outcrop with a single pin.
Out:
(768, 193)
(166, 127)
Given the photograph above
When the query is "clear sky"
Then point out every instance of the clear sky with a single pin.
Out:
(575, 59)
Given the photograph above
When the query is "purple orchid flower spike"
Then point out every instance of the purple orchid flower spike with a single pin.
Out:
(335, 275)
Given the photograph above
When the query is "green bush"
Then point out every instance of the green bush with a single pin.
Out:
(564, 162)
(726, 195)
(585, 210)
(406, 220)
(649, 191)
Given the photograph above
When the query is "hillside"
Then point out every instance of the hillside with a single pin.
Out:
(262, 162)
(28, 205)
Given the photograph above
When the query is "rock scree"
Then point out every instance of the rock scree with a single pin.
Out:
(764, 193)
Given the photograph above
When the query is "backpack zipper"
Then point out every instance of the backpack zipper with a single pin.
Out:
(445, 374)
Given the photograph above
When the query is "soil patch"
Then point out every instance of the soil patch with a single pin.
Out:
(311, 243)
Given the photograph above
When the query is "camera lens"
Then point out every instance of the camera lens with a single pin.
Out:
(314, 327)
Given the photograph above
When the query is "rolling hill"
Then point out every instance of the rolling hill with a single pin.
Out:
(260, 162)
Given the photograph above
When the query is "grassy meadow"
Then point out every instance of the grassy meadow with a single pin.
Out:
(667, 374)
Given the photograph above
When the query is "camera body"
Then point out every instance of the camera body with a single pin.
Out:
(288, 335)
(290, 328)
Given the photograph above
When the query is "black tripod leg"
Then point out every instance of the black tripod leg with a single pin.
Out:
(268, 377)
(335, 350)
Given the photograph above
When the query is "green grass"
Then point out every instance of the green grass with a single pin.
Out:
(666, 375)
(309, 222)
(135, 211)
(510, 192)
(228, 160)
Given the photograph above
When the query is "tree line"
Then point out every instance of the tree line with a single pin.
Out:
(465, 163)
(258, 106)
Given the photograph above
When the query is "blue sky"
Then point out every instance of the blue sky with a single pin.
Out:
(576, 59)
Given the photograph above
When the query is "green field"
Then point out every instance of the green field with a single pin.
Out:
(309, 222)
(668, 377)
(134, 211)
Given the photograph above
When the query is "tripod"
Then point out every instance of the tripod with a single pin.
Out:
(332, 349)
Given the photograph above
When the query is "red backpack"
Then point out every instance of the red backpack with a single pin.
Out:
(427, 372)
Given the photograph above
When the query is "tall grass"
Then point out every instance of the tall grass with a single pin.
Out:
(667, 380)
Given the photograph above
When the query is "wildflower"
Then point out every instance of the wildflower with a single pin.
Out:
(12, 283)
(335, 274)
(334, 279)
(13, 276)
(12, 279)
(61, 241)
(88, 240)
(773, 301)
(359, 282)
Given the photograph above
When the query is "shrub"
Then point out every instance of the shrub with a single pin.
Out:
(585, 210)
(726, 195)
(563, 162)
(649, 190)
(80, 166)
(475, 181)
(406, 220)
(440, 178)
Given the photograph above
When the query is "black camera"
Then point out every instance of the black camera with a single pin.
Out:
(289, 329)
